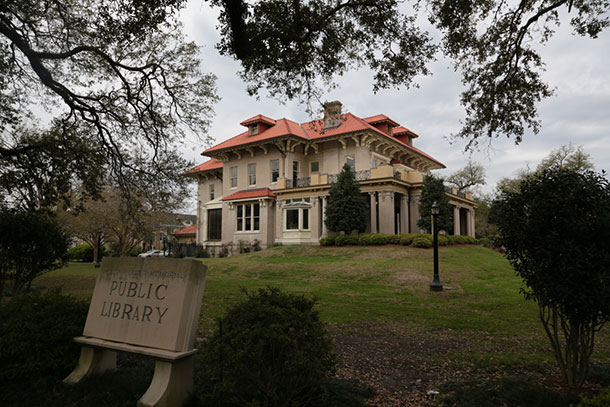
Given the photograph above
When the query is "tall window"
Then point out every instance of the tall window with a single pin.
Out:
(314, 166)
(251, 174)
(295, 173)
(297, 218)
(248, 217)
(295, 169)
(275, 170)
(233, 177)
(351, 161)
(214, 224)
(211, 192)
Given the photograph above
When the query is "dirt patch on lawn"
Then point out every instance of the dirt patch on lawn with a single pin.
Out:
(406, 365)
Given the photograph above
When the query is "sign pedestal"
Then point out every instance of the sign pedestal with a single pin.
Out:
(149, 307)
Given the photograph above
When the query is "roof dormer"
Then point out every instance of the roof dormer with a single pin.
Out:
(258, 124)
(382, 123)
(405, 135)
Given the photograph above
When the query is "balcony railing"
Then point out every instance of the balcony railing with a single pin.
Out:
(299, 182)
(461, 194)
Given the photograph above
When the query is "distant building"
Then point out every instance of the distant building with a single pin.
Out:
(186, 235)
(172, 223)
(271, 182)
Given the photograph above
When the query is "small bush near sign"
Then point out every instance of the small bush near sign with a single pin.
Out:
(271, 350)
(36, 332)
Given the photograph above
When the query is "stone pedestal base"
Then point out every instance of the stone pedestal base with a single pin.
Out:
(92, 361)
(171, 384)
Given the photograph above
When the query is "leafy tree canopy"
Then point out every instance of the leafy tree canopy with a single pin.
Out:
(568, 157)
(346, 209)
(555, 230)
(121, 81)
(289, 48)
(472, 175)
(433, 190)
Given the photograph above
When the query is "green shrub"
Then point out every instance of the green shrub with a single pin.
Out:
(328, 240)
(422, 241)
(135, 251)
(406, 238)
(270, 350)
(81, 252)
(202, 253)
(505, 392)
(366, 239)
(485, 241)
(346, 240)
(392, 239)
(36, 332)
(461, 239)
(601, 400)
(444, 240)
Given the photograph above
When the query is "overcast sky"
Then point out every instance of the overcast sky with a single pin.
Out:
(579, 69)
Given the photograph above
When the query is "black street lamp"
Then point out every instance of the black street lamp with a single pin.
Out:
(163, 237)
(436, 284)
(99, 248)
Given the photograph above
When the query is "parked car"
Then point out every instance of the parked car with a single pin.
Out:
(152, 253)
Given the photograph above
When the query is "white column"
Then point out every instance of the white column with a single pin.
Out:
(314, 225)
(324, 229)
(279, 221)
(404, 214)
(471, 223)
(456, 220)
(204, 224)
(373, 212)
(414, 204)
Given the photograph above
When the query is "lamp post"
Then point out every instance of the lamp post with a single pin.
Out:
(436, 284)
(99, 248)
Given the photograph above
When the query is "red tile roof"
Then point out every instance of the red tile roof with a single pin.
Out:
(187, 231)
(403, 130)
(249, 193)
(380, 118)
(209, 165)
(315, 130)
(258, 118)
(283, 127)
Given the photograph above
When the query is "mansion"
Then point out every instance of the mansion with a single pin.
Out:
(271, 182)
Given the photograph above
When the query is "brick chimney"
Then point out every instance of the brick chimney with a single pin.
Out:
(332, 114)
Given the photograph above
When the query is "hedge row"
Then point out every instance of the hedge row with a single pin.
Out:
(405, 239)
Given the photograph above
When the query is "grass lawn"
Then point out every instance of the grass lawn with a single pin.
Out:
(382, 316)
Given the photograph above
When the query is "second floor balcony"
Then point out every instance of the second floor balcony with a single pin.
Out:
(383, 171)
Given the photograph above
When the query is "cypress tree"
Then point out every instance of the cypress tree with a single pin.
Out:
(346, 210)
(433, 190)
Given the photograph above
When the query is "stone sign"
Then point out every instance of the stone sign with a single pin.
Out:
(147, 302)
(150, 307)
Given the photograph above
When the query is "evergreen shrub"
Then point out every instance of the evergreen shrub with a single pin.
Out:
(485, 241)
(202, 253)
(443, 240)
(601, 400)
(81, 252)
(346, 240)
(328, 240)
(36, 332)
(406, 238)
(270, 350)
(422, 241)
